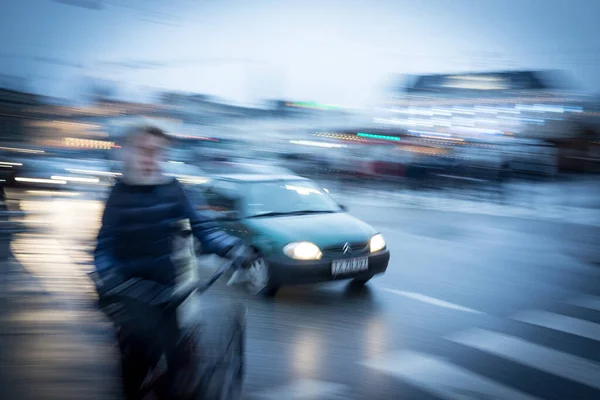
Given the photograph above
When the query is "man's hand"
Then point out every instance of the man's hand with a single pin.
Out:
(241, 256)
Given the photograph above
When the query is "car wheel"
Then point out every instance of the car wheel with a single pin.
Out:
(360, 281)
(259, 279)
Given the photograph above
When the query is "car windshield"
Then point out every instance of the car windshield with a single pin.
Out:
(287, 197)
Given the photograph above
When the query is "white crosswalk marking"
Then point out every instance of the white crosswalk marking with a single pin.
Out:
(532, 355)
(443, 379)
(561, 323)
(591, 302)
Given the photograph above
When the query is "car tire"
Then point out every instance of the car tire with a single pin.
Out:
(259, 279)
(358, 282)
(269, 292)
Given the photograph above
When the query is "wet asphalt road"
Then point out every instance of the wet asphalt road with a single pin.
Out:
(472, 307)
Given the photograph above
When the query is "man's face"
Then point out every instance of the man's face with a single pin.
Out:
(149, 151)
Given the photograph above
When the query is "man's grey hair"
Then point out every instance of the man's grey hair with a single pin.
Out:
(147, 129)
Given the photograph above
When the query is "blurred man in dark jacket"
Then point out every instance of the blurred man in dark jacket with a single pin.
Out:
(134, 252)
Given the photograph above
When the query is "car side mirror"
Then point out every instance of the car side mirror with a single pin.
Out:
(343, 207)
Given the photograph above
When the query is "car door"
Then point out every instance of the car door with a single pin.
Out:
(223, 203)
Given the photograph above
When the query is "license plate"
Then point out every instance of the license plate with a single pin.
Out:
(349, 265)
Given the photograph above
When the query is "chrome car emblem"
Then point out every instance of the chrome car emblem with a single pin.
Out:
(347, 249)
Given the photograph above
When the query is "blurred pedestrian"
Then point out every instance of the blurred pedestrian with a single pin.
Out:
(145, 216)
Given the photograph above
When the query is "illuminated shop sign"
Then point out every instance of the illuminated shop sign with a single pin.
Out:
(499, 81)
(89, 144)
(476, 82)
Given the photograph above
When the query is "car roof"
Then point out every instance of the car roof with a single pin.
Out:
(243, 178)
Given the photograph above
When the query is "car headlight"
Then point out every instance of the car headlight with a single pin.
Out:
(377, 243)
(302, 251)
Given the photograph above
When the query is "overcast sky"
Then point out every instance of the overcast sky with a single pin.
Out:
(333, 51)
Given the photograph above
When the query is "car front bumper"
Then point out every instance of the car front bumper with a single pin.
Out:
(284, 271)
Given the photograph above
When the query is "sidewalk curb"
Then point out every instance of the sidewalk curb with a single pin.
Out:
(551, 213)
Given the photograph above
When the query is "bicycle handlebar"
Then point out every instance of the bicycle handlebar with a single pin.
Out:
(200, 287)
(174, 300)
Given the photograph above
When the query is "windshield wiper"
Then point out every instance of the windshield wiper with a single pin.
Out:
(269, 214)
(300, 212)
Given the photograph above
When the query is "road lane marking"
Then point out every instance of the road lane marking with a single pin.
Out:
(432, 300)
(304, 389)
(591, 302)
(443, 379)
(558, 322)
(532, 355)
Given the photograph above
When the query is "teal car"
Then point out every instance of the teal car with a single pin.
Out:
(302, 235)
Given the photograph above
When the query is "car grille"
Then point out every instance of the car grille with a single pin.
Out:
(357, 249)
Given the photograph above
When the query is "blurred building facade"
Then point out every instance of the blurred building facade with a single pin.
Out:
(495, 106)
(14, 114)
(505, 103)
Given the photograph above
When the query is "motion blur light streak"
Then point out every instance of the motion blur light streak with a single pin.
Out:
(22, 150)
(379, 137)
(342, 136)
(36, 180)
(74, 179)
(92, 172)
(89, 143)
(56, 316)
(52, 193)
(317, 144)
(180, 136)
(189, 178)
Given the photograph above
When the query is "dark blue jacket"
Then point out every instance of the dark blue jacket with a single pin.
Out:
(138, 227)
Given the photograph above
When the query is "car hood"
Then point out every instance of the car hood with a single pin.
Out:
(324, 230)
